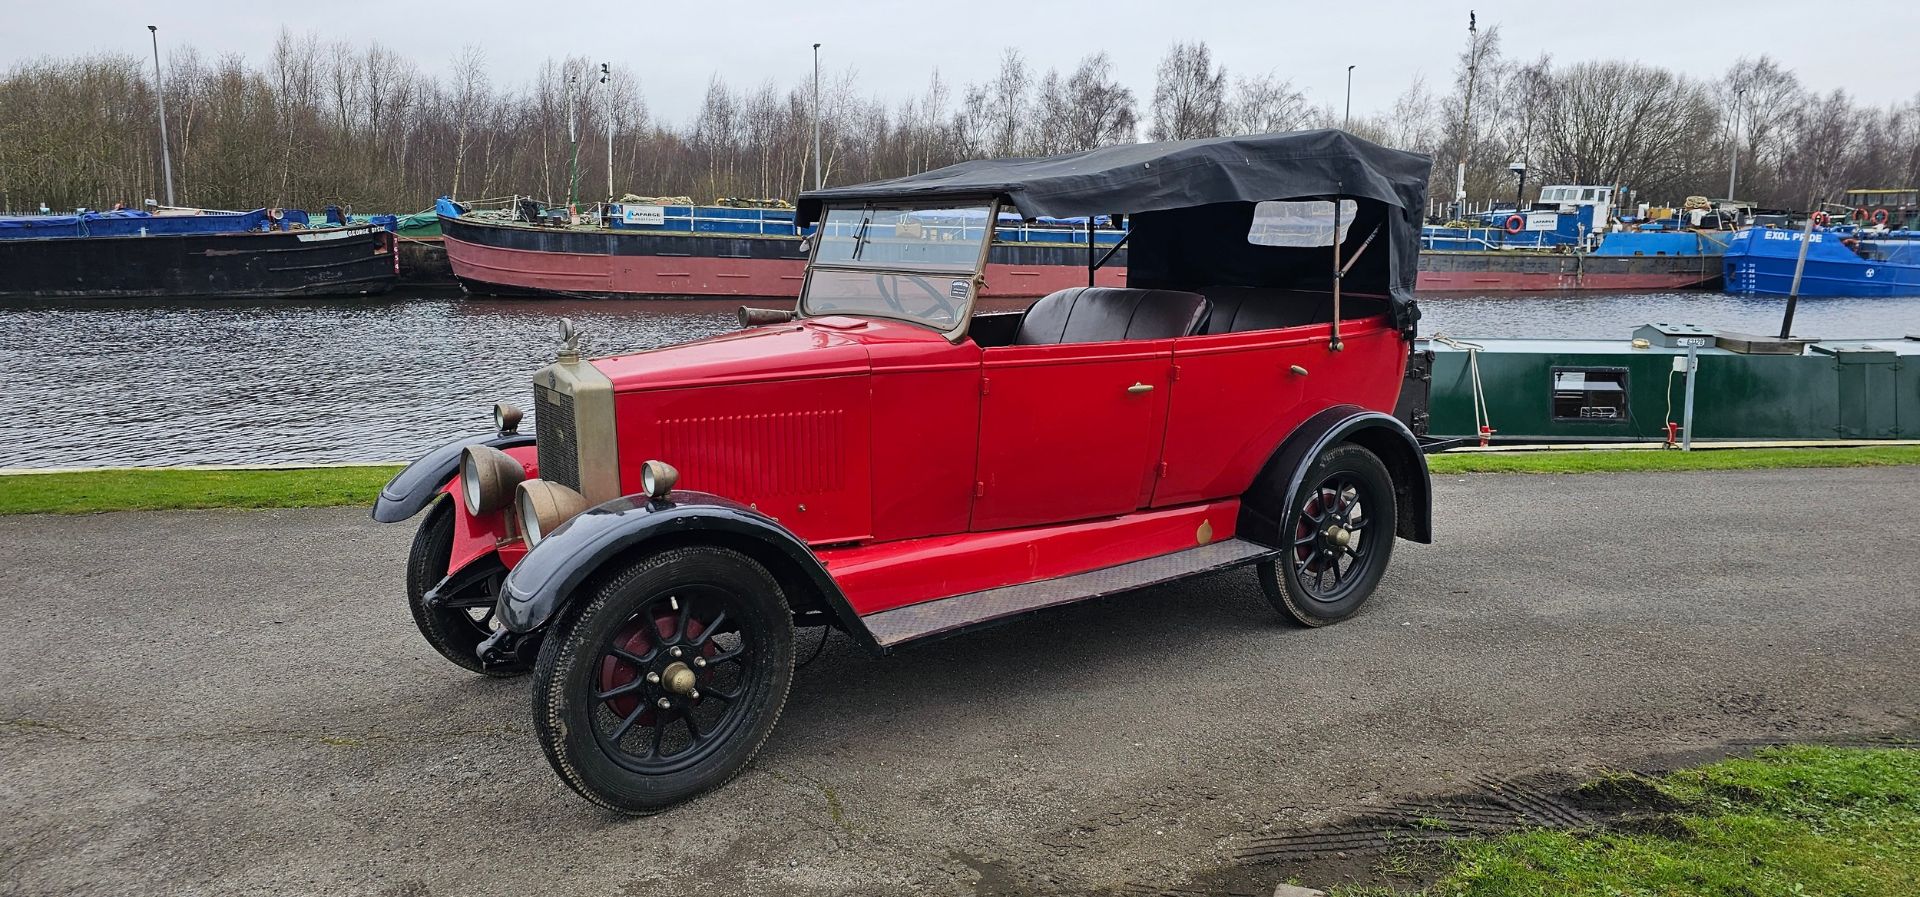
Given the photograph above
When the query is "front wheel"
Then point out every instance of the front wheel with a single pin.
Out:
(458, 625)
(1335, 538)
(665, 684)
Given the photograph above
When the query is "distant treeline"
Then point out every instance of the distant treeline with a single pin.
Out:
(326, 123)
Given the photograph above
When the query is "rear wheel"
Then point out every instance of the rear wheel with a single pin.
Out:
(1335, 538)
(458, 625)
(667, 682)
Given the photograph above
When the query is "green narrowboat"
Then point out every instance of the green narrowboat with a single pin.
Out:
(1635, 389)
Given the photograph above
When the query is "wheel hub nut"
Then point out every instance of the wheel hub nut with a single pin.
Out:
(1338, 537)
(678, 678)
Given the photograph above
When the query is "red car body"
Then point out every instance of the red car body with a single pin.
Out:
(917, 468)
(886, 462)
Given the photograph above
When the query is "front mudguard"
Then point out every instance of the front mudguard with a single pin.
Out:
(1385, 435)
(545, 582)
(415, 486)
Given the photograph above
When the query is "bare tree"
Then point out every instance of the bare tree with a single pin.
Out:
(1410, 124)
(1760, 102)
(1099, 111)
(470, 89)
(1627, 124)
(1189, 94)
(1008, 103)
(1266, 104)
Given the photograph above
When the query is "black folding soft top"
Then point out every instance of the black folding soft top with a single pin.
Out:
(1178, 177)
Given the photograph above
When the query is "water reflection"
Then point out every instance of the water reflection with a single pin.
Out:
(211, 382)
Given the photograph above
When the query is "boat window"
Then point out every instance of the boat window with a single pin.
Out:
(1587, 193)
(1590, 394)
(1303, 224)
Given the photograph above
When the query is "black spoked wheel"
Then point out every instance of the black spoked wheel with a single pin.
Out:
(456, 626)
(1335, 539)
(668, 681)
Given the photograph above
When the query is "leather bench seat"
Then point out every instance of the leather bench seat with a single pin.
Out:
(1107, 314)
(1261, 308)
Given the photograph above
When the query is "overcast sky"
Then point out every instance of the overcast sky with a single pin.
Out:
(677, 46)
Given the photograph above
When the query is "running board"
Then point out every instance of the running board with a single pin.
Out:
(960, 613)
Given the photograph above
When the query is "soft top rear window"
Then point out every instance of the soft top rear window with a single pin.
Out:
(1302, 224)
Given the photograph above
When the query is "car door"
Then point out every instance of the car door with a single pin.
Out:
(1069, 431)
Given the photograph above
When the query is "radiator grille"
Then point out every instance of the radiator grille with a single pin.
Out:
(557, 436)
(758, 456)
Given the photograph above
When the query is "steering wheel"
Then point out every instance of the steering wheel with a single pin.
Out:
(940, 307)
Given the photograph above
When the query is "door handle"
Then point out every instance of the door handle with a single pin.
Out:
(1138, 388)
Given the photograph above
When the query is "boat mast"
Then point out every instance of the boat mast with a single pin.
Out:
(606, 72)
(1733, 151)
(160, 93)
(573, 140)
(1466, 116)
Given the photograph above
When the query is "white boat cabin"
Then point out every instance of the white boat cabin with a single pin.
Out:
(1565, 196)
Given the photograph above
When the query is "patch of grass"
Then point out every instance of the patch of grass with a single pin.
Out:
(1640, 460)
(1433, 823)
(1834, 822)
(155, 490)
(161, 489)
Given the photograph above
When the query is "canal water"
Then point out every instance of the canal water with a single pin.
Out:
(105, 383)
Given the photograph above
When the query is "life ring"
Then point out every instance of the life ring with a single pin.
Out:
(1859, 214)
(1516, 224)
(1821, 218)
(1880, 217)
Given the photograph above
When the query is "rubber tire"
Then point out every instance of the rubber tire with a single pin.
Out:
(563, 721)
(1277, 579)
(445, 629)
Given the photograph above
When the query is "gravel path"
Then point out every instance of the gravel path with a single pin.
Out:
(236, 702)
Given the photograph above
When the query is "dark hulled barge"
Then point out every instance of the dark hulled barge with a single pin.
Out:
(136, 255)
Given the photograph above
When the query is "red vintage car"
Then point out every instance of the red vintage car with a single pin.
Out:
(887, 462)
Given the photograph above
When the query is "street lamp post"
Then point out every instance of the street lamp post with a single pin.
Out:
(160, 94)
(1349, 118)
(817, 181)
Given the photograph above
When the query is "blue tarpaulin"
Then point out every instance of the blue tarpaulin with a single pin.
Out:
(131, 223)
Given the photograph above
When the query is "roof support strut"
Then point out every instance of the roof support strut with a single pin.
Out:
(1091, 264)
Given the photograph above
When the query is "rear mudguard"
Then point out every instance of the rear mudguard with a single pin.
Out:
(1384, 435)
(415, 487)
(551, 576)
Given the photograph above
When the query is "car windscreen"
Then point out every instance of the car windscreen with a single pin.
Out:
(897, 262)
(937, 300)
